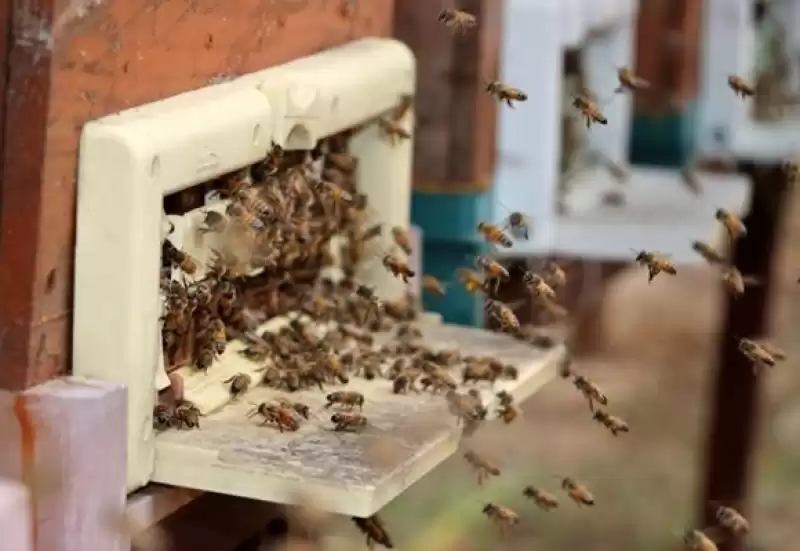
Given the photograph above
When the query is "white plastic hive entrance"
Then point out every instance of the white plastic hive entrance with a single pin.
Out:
(131, 160)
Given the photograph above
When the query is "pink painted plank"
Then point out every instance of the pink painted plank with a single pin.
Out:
(15, 516)
(65, 439)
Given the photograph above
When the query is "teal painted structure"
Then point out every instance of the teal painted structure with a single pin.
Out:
(664, 140)
(450, 240)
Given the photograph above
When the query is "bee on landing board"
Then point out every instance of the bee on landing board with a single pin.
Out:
(577, 492)
(507, 409)
(741, 88)
(494, 234)
(542, 498)
(709, 253)
(348, 422)
(346, 398)
(483, 467)
(457, 19)
(732, 223)
(589, 109)
(628, 81)
(239, 384)
(614, 424)
(375, 531)
(502, 92)
(503, 517)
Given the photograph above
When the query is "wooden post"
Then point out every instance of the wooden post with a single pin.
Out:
(15, 516)
(67, 65)
(65, 440)
(735, 395)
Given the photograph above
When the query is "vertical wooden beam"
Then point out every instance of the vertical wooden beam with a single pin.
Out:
(454, 136)
(26, 82)
(735, 395)
(65, 440)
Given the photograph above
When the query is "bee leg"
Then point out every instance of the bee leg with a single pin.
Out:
(588, 123)
(509, 103)
(591, 405)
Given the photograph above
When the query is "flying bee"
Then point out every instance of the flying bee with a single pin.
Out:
(402, 239)
(162, 417)
(507, 410)
(494, 235)
(733, 224)
(758, 354)
(393, 131)
(709, 253)
(457, 19)
(590, 391)
(276, 415)
(542, 498)
(503, 314)
(741, 88)
(493, 270)
(656, 264)
(239, 384)
(342, 161)
(577, 492)
(732, 520)
(397, 267)
(502, 92)
(374, 530)
(176, 256)
(483, 467)
(471, 280)
(537, 286)
(629, 81)
(614, 424)
(503, 517)
(696, 540)
(432, 286)
(213, 222)
(589, 109)
(186, 416)
(346, 398)
(348, 422)
(555, 276)
(792, 169)
(735, 281)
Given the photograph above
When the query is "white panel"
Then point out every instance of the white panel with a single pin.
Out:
(129, 161)
(573, 22)
(528, 140)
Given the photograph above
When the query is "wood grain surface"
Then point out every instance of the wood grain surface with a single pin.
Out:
(71, 61)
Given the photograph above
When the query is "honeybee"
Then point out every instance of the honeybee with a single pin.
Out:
(502, 92)
(709, 253)
(494, 234)
(696, 540)
(741, 88)
(493, 270)
(590, 391)
(213, 222)
(239, 384)
(176, 256)
(348, 422)
(589, 110)
(276, 415)
(398, 268)
(346, 398)
(402, 239)
(537, 286)
(758, 354)
(205, 357)
(577, 492)
(507, 410)
(656, 264)
(629, 81)
(503, 314)
(733, 224)
(554, 276)
(732, 520)
(735, 281)
(483, 467)
(162, 417)
(544, 499)
(246, 220)
(186, 416)
(457, 19)
(406, 380)
(792, 169)
(614, 424)
(342, 161)
(298, 407)
(468, 409)
(518, 223)
(374, 530)
(503, 517)
(403, 107)
(432, 286)
(393, 130)
(477, 371)
(471, 280)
